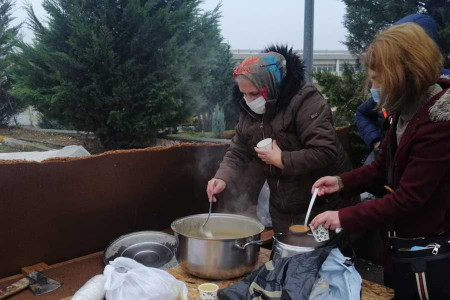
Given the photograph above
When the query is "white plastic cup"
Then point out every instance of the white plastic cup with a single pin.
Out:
(208, 291)
(265, 144)
(321, 234)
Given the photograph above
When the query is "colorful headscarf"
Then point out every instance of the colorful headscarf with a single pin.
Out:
(265, 71)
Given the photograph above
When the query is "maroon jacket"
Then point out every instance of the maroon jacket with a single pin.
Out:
(420, 175)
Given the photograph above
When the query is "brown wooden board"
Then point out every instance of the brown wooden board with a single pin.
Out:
(65, 208)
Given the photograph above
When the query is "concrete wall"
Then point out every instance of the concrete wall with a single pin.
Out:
(65, 208)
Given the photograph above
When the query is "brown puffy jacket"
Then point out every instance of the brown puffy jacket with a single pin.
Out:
(301, 123)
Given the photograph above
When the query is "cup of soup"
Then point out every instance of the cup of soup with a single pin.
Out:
(208, 291)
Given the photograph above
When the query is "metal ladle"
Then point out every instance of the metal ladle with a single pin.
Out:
(311, 203)
(207, 233)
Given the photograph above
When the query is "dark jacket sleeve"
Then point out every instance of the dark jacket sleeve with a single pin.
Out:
(367, 122)
(368, 176)
(317, 134)
(428, 165)
(236, 157)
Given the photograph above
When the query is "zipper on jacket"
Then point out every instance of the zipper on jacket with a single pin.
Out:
(261, 126)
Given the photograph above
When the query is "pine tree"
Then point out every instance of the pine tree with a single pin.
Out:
(9, 36)
(122, 69)
(215, 86)
(344, 92)
(218, 121)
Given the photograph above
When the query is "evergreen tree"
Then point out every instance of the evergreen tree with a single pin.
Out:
(122, 69)
(218, 121)
(9, 36)
(365, 18)
(344, 92)
(215, 86)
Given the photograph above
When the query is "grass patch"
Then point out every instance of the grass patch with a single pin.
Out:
(228, 134)
(4, 148)
(209, 135)
(7, 149)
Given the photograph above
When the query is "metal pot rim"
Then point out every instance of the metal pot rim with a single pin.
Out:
(291, 246)
(256, 222)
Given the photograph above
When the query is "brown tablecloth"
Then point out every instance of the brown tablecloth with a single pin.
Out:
(74, 273)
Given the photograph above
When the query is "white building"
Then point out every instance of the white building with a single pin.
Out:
(29, 117)
(327, 60)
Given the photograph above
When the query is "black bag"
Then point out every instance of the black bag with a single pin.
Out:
(421, 274)
(289, 278)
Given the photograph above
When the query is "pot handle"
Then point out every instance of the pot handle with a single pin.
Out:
(242, 247)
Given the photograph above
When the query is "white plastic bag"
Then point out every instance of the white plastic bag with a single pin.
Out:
(93, 289)
(262, 210)
(127, 279)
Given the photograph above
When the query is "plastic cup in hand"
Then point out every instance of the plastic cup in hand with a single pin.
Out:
(321, 234)
(265, 144)
(208, 291)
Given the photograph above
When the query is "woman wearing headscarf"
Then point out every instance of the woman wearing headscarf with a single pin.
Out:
(277, 103)
(414, 163)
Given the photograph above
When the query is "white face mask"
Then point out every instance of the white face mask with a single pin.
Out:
(258, 105)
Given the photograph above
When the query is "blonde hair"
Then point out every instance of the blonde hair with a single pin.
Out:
(407, 61)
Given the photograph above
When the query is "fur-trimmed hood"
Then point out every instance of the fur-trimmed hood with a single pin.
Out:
(440, 111)
(291, 83)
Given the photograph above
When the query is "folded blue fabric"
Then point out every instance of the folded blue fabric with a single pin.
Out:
(343, 279)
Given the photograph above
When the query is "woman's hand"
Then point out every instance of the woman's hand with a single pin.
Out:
(271, 157)
(326, 185)
(215, 186)
(330, 219)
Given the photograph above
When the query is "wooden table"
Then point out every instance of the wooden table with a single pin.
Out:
(74, 273)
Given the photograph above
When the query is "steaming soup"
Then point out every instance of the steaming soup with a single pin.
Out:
(208, 287)
(218, 234)
(299, 228)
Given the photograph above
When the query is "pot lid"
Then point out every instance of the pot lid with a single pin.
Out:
(306, 240)
(151, 248)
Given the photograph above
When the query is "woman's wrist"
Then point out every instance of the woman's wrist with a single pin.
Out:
(340, 183)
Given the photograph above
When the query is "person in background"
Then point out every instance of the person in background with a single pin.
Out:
(277, 103)
(369, 119)
(414, 162)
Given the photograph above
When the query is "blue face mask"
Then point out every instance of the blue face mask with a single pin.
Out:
(376, 94)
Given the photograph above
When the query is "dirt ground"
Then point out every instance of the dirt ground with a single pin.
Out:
(52, 140)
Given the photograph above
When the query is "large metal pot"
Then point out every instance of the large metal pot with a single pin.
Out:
(232, 252)
(287, 245)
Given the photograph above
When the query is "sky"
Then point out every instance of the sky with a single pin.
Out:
(255, 24)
